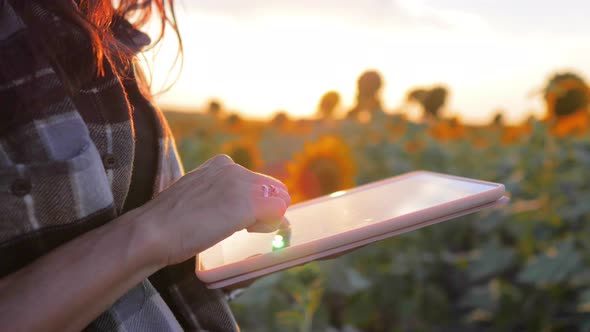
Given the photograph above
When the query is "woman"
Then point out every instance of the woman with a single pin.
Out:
(98, 227)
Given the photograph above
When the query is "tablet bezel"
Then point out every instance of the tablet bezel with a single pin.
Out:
(336, 242)
(338, 250)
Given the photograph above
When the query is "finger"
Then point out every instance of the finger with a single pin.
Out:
(282, 194)
(269, 211)
(266, 227)
(273, 181)
(258, 191)
(269, 214)
(261, 179)
(258, 178)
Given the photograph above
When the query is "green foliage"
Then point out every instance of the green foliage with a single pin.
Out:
(523, 267)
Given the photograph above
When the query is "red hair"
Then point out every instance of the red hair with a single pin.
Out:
(95, 19)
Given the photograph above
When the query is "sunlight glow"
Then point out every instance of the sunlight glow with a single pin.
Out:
(338, 193)
(285, 61)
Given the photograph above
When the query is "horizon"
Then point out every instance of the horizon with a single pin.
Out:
(262, 57)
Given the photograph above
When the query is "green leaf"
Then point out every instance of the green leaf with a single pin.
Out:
(343, 279)
(576, 210)
(489, 220)
(584, 297)
(552, 268)
(260, 292)
(480, 298)
(492, 261)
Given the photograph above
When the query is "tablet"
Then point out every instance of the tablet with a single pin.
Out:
(345, 220)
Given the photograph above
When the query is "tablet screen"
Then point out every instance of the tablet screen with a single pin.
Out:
(345, 211)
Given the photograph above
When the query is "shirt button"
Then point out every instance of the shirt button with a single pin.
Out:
(21, 187)
(109, 161)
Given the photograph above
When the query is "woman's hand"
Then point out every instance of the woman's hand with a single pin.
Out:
(199, 210)
(207, 205)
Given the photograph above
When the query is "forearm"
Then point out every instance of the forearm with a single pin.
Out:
(73, 284)
(69, 287)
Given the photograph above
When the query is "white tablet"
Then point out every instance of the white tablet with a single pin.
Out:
(345, 220)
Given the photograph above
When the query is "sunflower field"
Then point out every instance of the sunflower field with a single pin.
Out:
(521, 267)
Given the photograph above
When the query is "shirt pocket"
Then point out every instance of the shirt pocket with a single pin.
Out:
(38, 195)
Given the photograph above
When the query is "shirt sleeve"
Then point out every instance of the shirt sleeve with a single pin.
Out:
(195, 306)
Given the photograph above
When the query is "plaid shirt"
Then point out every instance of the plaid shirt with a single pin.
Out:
(65, 168)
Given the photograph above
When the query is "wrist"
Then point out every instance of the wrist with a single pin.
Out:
(145, 248)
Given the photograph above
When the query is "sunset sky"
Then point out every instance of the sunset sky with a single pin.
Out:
(260, 56)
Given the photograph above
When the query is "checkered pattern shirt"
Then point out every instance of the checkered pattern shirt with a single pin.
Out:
(65, 167)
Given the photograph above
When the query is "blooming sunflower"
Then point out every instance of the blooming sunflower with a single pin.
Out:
(244, 153)
(575, 124)
(567, 97)
(566, 94)
(321, 168)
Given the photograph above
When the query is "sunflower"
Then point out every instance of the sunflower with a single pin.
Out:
(566, 94)
(234, 124)
(396, 127)
(414, 146)
(567, 97)
(575, 124)
(321, 168)
(396, 130)
(447, 130)
(515, 134)
(244, 153)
